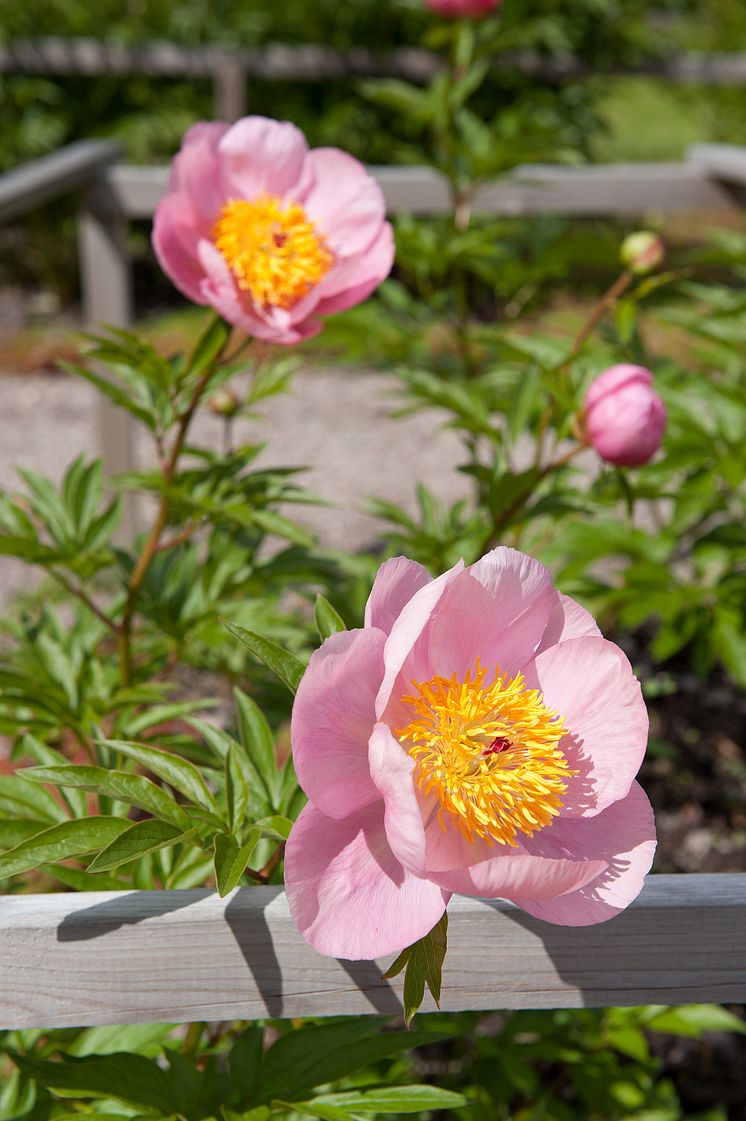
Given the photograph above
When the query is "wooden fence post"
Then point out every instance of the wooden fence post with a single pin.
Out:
(229, 89)
(106, 287)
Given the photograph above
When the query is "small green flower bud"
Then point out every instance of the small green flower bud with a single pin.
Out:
(643, 252)
(224, 402)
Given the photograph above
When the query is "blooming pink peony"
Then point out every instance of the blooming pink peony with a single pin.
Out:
(268, 233)
(477, 735)
(468, 8)
(623, 415)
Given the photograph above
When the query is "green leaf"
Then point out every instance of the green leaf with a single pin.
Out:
(177, 772)
(20, 799)
(271, 522)
(134, 790)
(244, 1063)
(282, 663)
(112, 1038)
(328, 620)
(423, 965)
(12, 833)
(275, 826)
(61, 842)
(316, 1054)
(132, 1078)
(209, 346)
(391, 1099)
(258, 741)
(139, 839)
(231, 859)
(236, 790)
(694, 1019)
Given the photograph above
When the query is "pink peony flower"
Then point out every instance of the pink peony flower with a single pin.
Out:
(268, 233)
(623, 415)
(477, 735)
(469, 8)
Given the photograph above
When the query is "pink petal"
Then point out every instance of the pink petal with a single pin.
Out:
(499, 628)
(516, 874)
(196, 173)
(396, 582)
(624, 837)
(175, 240)
(348, 894)
(345, 201)
(513, 577)
(333, 718)
(568, 620)
(391, 769)
(408, 628)
(352, 279)
(258, 154)
(591, 684)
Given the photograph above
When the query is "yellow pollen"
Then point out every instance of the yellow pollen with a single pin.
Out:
(488, 753)
(275, 253)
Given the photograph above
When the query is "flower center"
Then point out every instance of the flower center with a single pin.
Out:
(488, 753)
(274, 252)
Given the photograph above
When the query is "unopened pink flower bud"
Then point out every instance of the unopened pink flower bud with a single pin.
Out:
(453, 9)
(643, 252)
(624, 418)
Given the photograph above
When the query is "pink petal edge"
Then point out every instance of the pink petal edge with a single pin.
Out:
(348, 894)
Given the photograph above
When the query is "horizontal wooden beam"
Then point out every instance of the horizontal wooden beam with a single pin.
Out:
(68, 169)
(607, 190)
(315, 62)
(273, 61)
(725, 162)
(157, 956)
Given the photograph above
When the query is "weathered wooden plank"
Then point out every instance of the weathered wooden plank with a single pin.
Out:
(315, 62)
(273, 61)
(37, 181)
(595, 190)
(107, 299)
(133, 957)
(726, 162)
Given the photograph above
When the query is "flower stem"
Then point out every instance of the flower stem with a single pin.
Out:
(152, 543)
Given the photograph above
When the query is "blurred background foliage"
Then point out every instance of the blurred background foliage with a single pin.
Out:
(149, 115)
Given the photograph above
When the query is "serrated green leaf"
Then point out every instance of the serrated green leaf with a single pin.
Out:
(282, 663)
(140, 838)
(61, 842)
(134, 790)
(328, 620)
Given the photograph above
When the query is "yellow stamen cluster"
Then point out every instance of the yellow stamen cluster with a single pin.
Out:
(488, 753)
(275, 253)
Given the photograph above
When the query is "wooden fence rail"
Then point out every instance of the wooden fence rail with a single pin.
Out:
(175, 956)
(231, 68)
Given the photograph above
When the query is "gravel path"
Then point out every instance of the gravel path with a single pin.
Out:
(335, 422)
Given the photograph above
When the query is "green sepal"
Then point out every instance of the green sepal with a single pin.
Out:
(423, 965)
